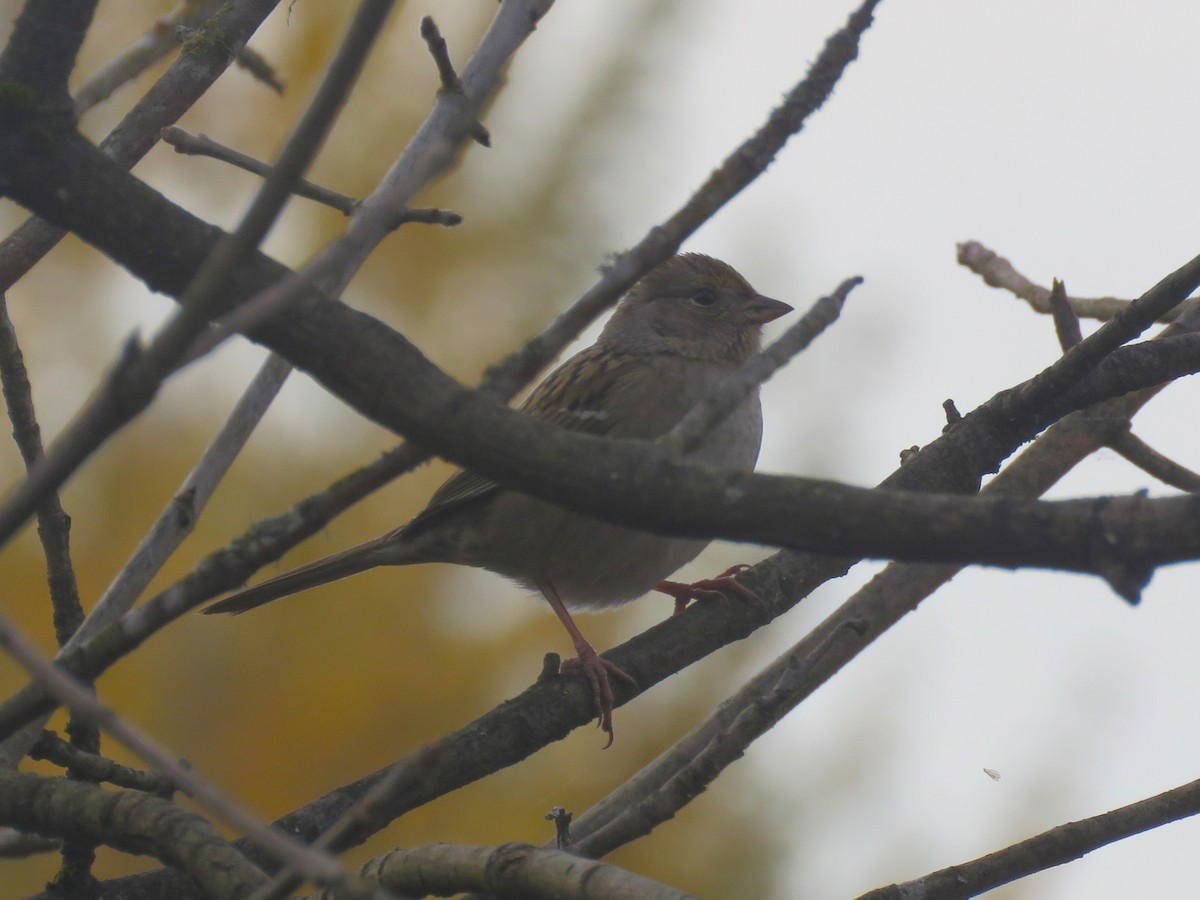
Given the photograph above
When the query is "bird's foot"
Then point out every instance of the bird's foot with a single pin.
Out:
(596, 669)
(708, 588)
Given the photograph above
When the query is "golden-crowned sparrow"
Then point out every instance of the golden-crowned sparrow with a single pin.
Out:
(681, 331)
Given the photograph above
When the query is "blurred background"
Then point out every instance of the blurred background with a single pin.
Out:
(1061, 135)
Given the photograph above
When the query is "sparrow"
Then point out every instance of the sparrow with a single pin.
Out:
(681, 332)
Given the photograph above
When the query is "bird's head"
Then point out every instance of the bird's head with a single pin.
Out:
(694, 306)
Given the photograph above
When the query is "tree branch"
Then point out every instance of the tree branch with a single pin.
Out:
(54, 525)
(54, 749)
(129, 821)
(1154, 463)
(40, 56)
(1054, 847)
(516, 871)
(998, 272)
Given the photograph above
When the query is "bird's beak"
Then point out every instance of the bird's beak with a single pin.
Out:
(760, 309)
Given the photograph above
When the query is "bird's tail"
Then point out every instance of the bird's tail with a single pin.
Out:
(331, 568)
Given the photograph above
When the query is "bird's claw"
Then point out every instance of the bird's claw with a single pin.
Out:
(708, 588)
(597, 670)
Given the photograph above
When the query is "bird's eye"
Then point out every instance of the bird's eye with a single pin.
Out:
(704, 297)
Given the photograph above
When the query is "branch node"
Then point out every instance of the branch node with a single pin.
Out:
(202, 145)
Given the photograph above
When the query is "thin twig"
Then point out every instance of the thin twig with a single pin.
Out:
(54, 532)
(1066, 322)
(432, 150)
(202, 145)
(54, 749)
(367, 816)
(54, 525)
(998, 272)
(132, 822)
(1053, 847)
(741, 167)
(178, 520)
(1155, 464)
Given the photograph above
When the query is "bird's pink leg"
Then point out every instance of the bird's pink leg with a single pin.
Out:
(594, 667)
(707, 588)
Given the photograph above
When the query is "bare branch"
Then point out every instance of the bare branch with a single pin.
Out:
(998, 272)
(54, 749)
(517, 871)
(54, 525)
(130, 821)
(1050, 848)
(1154, 463)
(178, 519)
(41, 54)
(203, 145)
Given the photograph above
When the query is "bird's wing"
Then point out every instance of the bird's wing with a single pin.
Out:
(563, 400)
